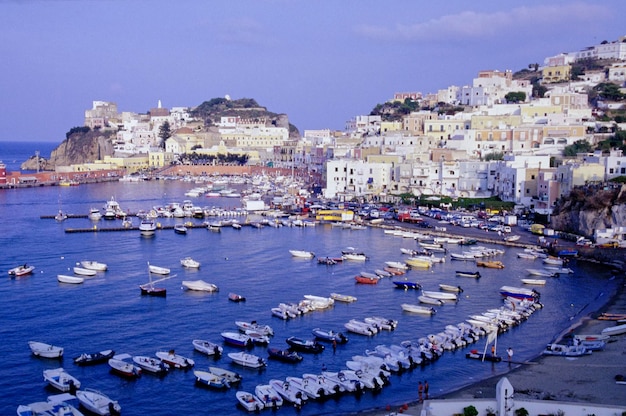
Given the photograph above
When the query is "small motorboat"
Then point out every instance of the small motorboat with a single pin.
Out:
(44, 350)
(94, 265)
(477, 355)
(394, 271)
(189, 263)
(199, 286)
(21, 270)
(327, 261)
(286, 356)
(462, 273)
(98, 403)
(566, 350)
(445, 296)
(124, 368)
(175, 360)
(151, 365)
(366, 280)
(330, 336)
(534, 281)
(84, 272)
(207, 347)
(423, 310)
(180, 229)
(406, 285)
(254, 326)
(430, 301)
(230, 376)
(450, 288)
(288, 393)
(61, 380)
(94, 358)
(397, 265)
(237, 339)
(343, 298)
(74, 280)
(269, 396)
(302, 254)
(234, 297)
(247, 360)
(249, 401)
(57, 404)
(208, 379)
(158, 270)
(302, 345)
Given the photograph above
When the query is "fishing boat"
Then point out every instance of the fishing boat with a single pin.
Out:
(483, 356)
(94, 265)
(94, 357)
(98, 403)
(199, 285)
(148, 288)
(406, 285)
(74, 280)
(61, 380)
(423, 310)
(343, 298)
(174, 360)
(41, 349)
(21, 270)
(207, 347)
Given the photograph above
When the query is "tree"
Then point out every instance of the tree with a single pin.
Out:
(609, 91)
(579, 146)
(165, 133)
(515, 97)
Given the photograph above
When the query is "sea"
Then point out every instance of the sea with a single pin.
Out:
(108, 312)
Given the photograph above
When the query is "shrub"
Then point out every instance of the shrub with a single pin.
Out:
(521, 412)
(470, 411)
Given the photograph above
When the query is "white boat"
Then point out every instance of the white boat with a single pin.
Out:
(95, 214)
(343, 298)
(559, 270)
(124, 368)
(207, 347)
(158, 270)
(247, 360)
(450, 288)
(254, 326)
(541, 272)
(566, 350)
(554, 261)
(21, 270)
(440, 295)
(61, 380)
(206, 378)
(147, 226)
(42, 349)
(199, 285)
(614, 330)
(189, 263)
(249, 401)
(288, 393)
(301, 254)
(75, 280)
(354, 257)
(361, 328)
(175, 360)
(84, 272)
(512, 238)
(463, 256)
(57, 404)
(93, 265)
(534, 281)
(424, 310)
(151, 365)
(526, 255)
(397, 265)
(98, 402)
(230, 376)
(269, 396)
(430, 301)
(310, 391)
(419, 262)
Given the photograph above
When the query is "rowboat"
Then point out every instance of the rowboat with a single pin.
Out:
(42, 349)
(84, 272)
(461, 273)
(430, 301)
(366, 280)
(450, 288)
(463, 257)
(199, 285)
(63, 278)
(423, 310)
(476, 355)
(158, 270)
(395, 271)
(94, 265)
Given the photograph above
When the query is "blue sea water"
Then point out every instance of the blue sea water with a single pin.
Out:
(107, 311)
(13, 154)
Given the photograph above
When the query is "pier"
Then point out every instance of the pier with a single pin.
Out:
(96, 229)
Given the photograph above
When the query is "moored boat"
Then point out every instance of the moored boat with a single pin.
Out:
(61, 380)
(430, 301)
(450, 288)
(208, 379)
(232, 377)
(565, 350)
(56, 404)
(446, 296)
(207, 347)
(287, 356)
(234, 297)
(249, 401)
(302, 345)
(366, 280)
(343, 298)
(519, 292)
(21, 270)
(423, 310)
(94, 358)
(175, 360)
(42, 349)
(405, 284)
(74, 280)
(462, 273)
(199, 285)
(494, 264)
(269, 396)
(94, 265)
(237, 339)
(477, 355)
(330, 336)
(158, 270)
(124, 368)
(151, 365)
(189, 263)
(84, 272)
(534, 281)
(98, 403)
(254, 326)
(247, 360)
(302, 254)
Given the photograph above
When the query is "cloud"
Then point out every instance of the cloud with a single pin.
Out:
(484, 25)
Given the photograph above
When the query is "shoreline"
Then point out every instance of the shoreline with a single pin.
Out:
(553, 378)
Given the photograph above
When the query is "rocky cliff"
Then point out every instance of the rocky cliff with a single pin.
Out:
(80, 147)
(589, 208)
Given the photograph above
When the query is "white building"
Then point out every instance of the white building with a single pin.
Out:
(347, 179)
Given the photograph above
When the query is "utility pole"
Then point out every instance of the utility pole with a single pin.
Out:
(37, 157)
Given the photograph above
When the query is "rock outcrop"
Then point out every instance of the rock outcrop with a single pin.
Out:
(589, 208)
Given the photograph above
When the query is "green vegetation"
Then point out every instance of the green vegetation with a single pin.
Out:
(470, 411)
(395, 110)
(579, 146)
(221, 159)
(493, 203)
(81, 130)
(494, 156)
(165, 132)
(515, 97)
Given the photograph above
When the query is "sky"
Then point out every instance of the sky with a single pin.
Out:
(320, 62)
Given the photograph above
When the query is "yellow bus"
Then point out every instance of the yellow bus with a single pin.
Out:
(334, 215)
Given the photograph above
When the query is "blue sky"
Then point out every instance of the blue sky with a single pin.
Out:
(320, 62)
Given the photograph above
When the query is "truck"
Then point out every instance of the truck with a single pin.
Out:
(510, 220)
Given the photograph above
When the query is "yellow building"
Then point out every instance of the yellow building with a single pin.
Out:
(557, 73)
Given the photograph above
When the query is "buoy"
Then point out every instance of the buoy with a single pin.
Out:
(405, 407)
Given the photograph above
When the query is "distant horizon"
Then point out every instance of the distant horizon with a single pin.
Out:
(321, 63)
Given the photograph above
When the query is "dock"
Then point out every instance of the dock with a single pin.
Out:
(96, 229)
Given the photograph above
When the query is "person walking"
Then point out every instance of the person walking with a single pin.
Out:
(509, 353)
(426, 389)
(420, 392)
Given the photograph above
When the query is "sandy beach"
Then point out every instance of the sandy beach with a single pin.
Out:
(589, 378)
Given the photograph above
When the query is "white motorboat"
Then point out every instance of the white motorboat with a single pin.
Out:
(199, 285)
(381, 323)
(175, 360)
(329, 387)
(75, 280)
(206, 378)
(84, 272)
(94, 214)
(354, 257)
(424, 310)
(463, 256)
(249, 401)
(94, 265)
(450, 288)
(360, 328)
(231, 377)
(98, 402)
(247, 360)
(288, 393)
(430, 301)
(207, 347)
(269, 396)
(21, 270)
(343, 298)
(566, 350)
(615, 330)
(61, 380)
(151, 365)
(554, 261)
(42, 349)
(345, 383)
(147, 226)
(301, 254)
(541, 272)
(158, 270)
(310, 391)
(57, 404)
(445, 296)
(254, 326)
(526, 255)
(397, 265)
(189, 263)
(534, 281)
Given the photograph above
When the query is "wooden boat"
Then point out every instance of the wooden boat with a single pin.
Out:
(494, 264)
(329, 336)
(405, 284)
(151, 365)
(430, 301)
(84, 272)
(249, 401)
(302, 345)
(534, 281)
(44, 350)
(450, 288)
(237, 339)
(269, 396)
(207, 347)
(476, 355)
(208, 379)
(123, 368)
(75, 280)
(175, 360)
(366, 280)
(199, 286)
(158, 270)
(343, 298)
(234, 297)
(57, 404)
(302, 254)
(232, 377)
(287, 356)
(565, 350)
(94, 265)
(247, 360)
(61, 380)
(21, 270)
(94, 358)
(98, 403)
(189, 263)
(423, 310)
(462, 273)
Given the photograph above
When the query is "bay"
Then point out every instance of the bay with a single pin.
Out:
(108, 311)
